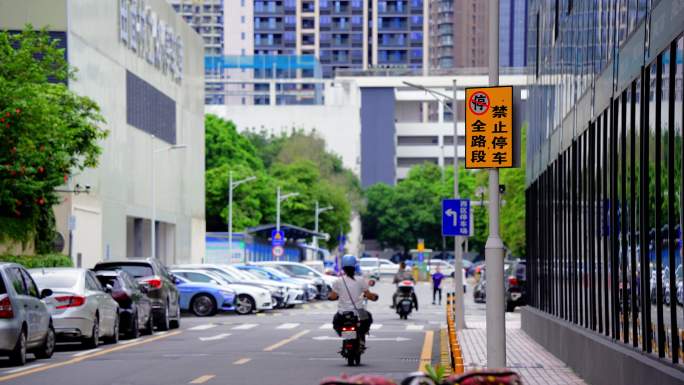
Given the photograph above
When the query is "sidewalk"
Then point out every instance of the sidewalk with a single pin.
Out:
(523, 354)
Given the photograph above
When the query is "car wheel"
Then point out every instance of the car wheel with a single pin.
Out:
(18, 354)
(175, 323)
(114, 338)
(94, 340)
(245, 304)
(163, 322)
(149, 325)
(134, 330)
(203, 305)
(48, 347)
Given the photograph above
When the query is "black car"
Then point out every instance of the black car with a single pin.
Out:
(162, 289)
(514, 284)
(135, 308)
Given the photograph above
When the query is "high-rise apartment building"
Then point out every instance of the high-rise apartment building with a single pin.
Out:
(459, 33)
(207, 18)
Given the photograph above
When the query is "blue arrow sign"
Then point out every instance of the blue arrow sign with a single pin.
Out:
(456, 217)
(277, 238)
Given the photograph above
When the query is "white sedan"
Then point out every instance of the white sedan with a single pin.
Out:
(249, 298)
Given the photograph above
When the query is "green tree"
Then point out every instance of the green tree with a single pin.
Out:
(47, 132)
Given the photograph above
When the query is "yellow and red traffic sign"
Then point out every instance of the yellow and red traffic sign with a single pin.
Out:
(489, 127)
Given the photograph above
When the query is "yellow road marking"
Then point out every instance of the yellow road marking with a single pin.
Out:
(426, 354)
(242, 361)
(285, 341)
(83, 358)
(202, 379)
(260, 314)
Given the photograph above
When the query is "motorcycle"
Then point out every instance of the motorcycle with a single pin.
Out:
(351, 339)
(405, 298)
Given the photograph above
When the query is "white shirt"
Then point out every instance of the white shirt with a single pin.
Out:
(356, 288)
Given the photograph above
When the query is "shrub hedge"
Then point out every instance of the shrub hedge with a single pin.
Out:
(33, 261)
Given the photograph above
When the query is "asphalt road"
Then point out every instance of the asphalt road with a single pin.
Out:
(295, 346)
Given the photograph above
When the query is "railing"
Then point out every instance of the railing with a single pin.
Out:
(454, 346)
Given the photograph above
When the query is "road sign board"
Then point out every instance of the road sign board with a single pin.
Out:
(456, 217)
(277, 251)
(277, 238)
(489, 127)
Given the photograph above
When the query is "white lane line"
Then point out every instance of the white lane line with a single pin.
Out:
(242, 361)
(326, 326)
(28, 367)
(414, 327)
(86, 352)
(203, 327)
(129, 341)
(376, 326)
(245, 326)
(288, 326)
(215, 338)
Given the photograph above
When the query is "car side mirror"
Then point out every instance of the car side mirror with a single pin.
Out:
(108, 289)
(45, 293)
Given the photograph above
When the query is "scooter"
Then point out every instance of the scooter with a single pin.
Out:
(351, 339)
(405, 301)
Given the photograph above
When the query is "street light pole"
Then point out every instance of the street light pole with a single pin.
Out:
(153, 220)
(494, 250)
(319, 211)
(231, 186)
(279, 199)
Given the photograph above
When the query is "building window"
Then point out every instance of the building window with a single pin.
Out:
(242, 35)
(242, 19)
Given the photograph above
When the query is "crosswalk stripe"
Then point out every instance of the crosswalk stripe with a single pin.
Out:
(203, 327)
(326, 326)
(376, 326)
(288, 326)
(245, 326)
(414, 327)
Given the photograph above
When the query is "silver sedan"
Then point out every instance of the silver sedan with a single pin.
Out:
(81, 308)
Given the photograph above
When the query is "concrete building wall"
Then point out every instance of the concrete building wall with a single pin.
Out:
(120, 187)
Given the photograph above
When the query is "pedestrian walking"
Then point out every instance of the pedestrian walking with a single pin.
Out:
(436, 285)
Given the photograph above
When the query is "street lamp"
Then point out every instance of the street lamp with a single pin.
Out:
(319, 211)
(153, 228)
(279, 199)
(231, 186)
(459, 318)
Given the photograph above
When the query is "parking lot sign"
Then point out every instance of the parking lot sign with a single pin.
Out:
(456, 217)
(277, 238)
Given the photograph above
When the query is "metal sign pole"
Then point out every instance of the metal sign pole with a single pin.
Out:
(494, 250)
(459, 321)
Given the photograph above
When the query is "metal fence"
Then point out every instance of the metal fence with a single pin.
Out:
(604, 219)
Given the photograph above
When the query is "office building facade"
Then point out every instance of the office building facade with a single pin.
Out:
(604, 194)
(143, 66)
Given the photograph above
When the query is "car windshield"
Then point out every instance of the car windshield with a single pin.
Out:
(300, 270)
(56, 280)
(369, 263)
(3, 289)
(260, 273)
(135, 270)
(239, 273)
(276, 272)
(223, 275)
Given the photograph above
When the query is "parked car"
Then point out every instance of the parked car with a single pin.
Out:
(446, 268)
(514, 284)
(25, 321)
(322, 281)
(309, 290)
(204, 299)
(679, 273)
(234, 276)
(162, 291)
(250, 299)
(135, 307)
(370, 267)
(81, 309)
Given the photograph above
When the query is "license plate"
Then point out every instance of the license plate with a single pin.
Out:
(348, 335)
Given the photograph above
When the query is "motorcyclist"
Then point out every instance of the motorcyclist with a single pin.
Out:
(403, 275)
(350, 290)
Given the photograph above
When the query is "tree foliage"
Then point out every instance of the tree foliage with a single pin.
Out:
(297, 162)
(397, 216)
(47, 132)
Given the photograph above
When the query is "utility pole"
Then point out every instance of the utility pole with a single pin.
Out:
(279, 199)
(319, 211)
(459, 305)
(494, 248)
(231, 186)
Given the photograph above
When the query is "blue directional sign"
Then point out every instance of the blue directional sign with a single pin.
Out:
(456, 217)
(277, 238)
